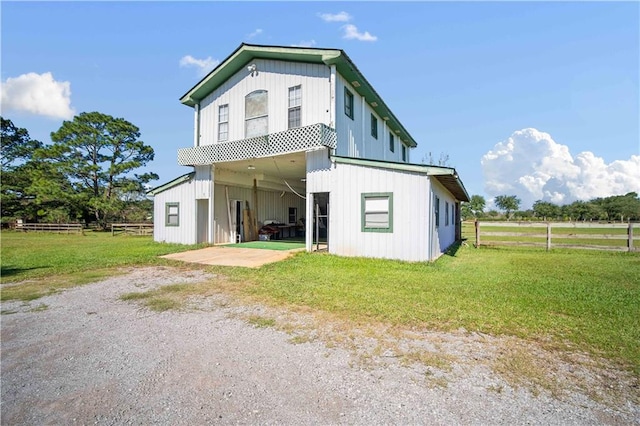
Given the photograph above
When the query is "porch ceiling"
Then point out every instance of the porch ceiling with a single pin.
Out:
(291, 167)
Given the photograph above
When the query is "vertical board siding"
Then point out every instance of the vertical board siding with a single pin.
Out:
(444, 235)
(203, 182)
(185, 233)
(354, 136)
(276, 77)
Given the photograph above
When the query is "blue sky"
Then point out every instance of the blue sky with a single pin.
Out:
(466, 79)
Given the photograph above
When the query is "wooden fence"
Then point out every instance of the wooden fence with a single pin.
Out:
(132, 228)
(60, 228)
(588, 235)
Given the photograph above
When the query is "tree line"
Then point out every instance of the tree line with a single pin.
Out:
(612, 209)
(87, 174)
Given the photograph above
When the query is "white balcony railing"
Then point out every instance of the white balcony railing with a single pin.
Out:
(293, 140)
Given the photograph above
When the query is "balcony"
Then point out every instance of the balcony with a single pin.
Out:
(293, 140)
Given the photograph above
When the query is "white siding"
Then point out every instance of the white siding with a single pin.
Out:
(445, 234)
(185, 233)
(276, 77)
(354, 136)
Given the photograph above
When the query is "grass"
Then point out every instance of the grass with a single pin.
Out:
(47, 263)
(576, 300)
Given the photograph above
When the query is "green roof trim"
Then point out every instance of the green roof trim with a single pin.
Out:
(447, 176)
(245, 53)
(177, 181)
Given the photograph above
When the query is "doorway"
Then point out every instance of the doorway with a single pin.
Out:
(320, 221)
(202, 213)
(235, 231)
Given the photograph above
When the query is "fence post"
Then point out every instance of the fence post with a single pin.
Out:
(630, 234)
(477, 224)
(548, 236)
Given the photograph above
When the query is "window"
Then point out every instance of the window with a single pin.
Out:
(453, 215)
(374, 126)
(348, 103)
(172, 214)
(256, 115)
(404, 153)
(295, 102)
(223, 122)
(446, 213)
(377, 212)
(293, 214)
(392, 142)
(436, 210)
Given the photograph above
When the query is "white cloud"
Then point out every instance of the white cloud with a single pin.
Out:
(202, 65)
(351, 32)
(38, 94)
(532, 166)
(335, 17)
(257, 32)
(305, 43)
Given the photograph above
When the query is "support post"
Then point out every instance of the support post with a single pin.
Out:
(548, 236)
(630, 234)
(477, 225)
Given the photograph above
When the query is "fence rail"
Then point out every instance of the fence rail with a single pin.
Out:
(132, 228)
(599, 236)
(66, 228)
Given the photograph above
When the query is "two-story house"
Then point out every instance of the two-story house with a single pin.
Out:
(298, 136)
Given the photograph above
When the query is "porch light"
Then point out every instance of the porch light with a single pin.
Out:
(251, 167)
(355, 83)
(374, 104)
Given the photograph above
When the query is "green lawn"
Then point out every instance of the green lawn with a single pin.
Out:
(579, 299)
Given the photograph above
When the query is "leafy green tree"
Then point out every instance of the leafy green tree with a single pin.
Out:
(98, 154)
(508, 204)
(545, 210)
(474, 208)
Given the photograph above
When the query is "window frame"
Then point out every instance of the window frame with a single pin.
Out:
(446, 213)
(392, 142)
(348, 103)
(436, 210)
(254, 118)
(168, 214)
(404, 153)
(293, 108)
(220, 123)
(293, 211)
(374, 126)
(363, 205)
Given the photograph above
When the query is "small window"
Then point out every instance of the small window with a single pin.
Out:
(377, 212)
(453, 215)
(348, 103)
(172, 214)
(256, 114)
(374, 126)
(223, 123)
(446, 213)
(293, 214)
(295, 103)
(392, 142)
(404, 153)
(436, 210)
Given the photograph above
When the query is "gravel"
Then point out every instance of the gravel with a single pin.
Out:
(84, 356)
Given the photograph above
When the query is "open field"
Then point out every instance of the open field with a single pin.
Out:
(564, 299)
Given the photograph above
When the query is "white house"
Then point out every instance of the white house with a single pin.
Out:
(297, 136)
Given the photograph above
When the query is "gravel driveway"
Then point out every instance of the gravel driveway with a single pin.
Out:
(88, 357)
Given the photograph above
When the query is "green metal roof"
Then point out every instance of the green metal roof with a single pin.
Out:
(245, 53)
(177, 181)
(447, 176)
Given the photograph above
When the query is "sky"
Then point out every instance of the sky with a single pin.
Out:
(534, 99)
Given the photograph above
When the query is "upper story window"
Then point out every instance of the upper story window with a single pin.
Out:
(392, 142)
(256, 114)
(295, 104)
(404, 153)
(374, 126)
(348, 103)
(223, 122)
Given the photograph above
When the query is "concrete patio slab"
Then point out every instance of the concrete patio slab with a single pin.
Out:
(229, 256)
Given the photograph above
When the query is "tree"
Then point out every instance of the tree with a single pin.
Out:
(474, 208)
(98, 153)
(507, 203)
(17, 172)
(545, 209)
